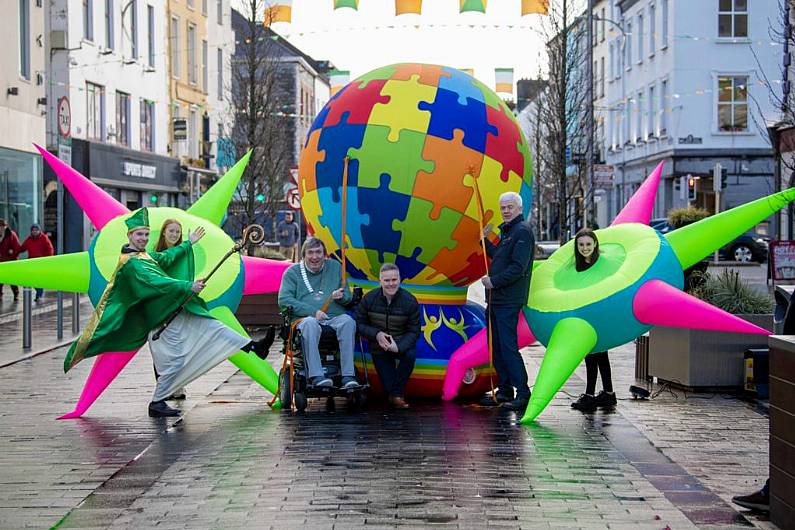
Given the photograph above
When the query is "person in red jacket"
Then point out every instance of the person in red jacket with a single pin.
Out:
(37, 245)
(9, 248)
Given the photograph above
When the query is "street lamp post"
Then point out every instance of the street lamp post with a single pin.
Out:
(589, 118)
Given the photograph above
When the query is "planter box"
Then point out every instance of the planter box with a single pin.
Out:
(703, 360)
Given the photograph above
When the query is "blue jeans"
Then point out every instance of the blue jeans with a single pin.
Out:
(394, 377)
(344, 326)
(508, 363)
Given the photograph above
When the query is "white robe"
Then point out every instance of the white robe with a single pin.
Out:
(189, 347)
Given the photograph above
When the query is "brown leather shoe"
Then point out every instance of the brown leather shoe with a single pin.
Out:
(398, 402)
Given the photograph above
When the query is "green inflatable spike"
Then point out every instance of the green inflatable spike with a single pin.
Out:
(67, 272)
(213, 204)
(257, 369)
(693, 242)
(571, 340)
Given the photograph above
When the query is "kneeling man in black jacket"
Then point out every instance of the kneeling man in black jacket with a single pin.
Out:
(389, 317)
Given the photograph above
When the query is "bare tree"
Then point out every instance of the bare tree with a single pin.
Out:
(261, 113)
(563, 110)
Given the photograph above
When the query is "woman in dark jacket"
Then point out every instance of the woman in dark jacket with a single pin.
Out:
(586, 252)
(389, 317)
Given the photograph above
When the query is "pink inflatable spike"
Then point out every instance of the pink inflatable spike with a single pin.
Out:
(660, 304)
(640, 207)
(98, 205)
(263, 275)
(475, 352)
(106, 367)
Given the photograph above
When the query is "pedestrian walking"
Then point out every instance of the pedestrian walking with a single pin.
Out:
(9, 250)
(288, 234)
(37, 245)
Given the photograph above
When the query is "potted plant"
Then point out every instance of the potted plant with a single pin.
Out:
(712, 360)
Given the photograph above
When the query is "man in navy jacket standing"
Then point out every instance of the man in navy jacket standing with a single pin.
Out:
(507, 286)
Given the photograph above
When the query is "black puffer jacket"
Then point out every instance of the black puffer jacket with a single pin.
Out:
(511, 263)
(401, 318)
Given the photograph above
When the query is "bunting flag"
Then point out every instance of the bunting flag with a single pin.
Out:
(478, 6)
(468, 71)
(353, 4)
(338, 79)
(504, 80)
(408, 7)
(278, 11)
(535, 7)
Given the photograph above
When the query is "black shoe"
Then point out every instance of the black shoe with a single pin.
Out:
(491, 401)
(586, 403)
(261, 348)
(159, 409)
(518, 404)
(605, 399)
(757, 501)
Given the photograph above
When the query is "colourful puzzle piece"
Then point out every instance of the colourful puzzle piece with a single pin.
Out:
(357, 103)
(491, 98)
(307, 163)
(452, 160)
(336, 141)
(332, 215)
(503, 142)
(447, 114)
(429, 74)
(404, 109)
(399, 160)
(455, 260)
(491, 186)
(463, 85)
(381, 74)
(383, 209)
(414, 234)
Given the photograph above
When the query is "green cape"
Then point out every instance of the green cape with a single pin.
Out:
(139, 297)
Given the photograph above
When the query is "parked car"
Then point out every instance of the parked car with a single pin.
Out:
(750, 246)
(545, 249)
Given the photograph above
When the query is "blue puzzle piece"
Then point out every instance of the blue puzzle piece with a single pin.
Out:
(332, 215)
(409, 266)
(382, 206)
(336, 141)
(447, 114)
(462, 84)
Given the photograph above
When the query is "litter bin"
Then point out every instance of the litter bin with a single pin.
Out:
(757, 375)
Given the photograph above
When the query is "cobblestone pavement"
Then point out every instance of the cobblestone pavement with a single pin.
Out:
(232, 463)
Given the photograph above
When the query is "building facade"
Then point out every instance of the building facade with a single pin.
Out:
(23, 105)
(108, 104)
(685, 84)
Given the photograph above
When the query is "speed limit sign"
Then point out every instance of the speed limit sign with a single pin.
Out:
(293, 199)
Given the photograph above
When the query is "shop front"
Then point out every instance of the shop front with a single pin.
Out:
(20, 189)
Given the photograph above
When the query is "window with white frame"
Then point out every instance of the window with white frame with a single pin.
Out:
(640, 37)
(95, 111)
(651, 113)
(610, 50)
(627, 121)
(176, 69)
(133, 7)
(664, 23)
(219, 58)
(219, 12)
(193, 72)
(193, 135)
(664, 108)
(204, 7)
(595, 77)
(24, 39)
(639, 110)
(628, 46)
(150, 36)
(652, 29)
(122, 118)
(88, 20)
(733, 103)
(109, 33)
(205, 54)
(733, 18)
(602, 34)
(192, 4)
(147, 125)
(602, 77)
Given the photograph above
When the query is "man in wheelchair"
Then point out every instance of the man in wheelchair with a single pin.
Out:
(312, 290)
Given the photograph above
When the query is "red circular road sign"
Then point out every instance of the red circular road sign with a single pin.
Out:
(293, 199)
(64, 117)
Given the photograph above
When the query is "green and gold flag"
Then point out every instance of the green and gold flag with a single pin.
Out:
(478, 6)
(353, 4)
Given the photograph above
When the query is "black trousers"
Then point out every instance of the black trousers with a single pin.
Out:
(597, 362)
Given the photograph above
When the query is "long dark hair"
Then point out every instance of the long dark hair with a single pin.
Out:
(162, 244)
(579, 260)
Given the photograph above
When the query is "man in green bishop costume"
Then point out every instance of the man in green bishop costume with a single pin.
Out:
(139, 298)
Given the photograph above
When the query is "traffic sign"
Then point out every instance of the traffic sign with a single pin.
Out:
(603, 174)
(64, 117)
(294, 175)
(293, 199)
